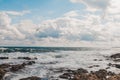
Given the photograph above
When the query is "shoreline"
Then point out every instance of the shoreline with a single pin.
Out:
(65, 73)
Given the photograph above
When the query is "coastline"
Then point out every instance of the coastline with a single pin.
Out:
(23, 63)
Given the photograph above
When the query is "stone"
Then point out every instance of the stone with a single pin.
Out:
(26, 58)
(4, 57)
(80, 71)
(115, 77)
(65, 76)
(31, 78)
(101, 74)
(2, 73)
(115, 55)
(5, 65)
(17, 67)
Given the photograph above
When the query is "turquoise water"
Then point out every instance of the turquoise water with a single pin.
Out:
(44, 49)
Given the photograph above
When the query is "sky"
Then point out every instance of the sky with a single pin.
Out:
(60, 23)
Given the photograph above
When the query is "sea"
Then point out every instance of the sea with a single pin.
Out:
(50, 59)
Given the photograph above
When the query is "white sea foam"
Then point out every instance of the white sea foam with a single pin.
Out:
(60, 59)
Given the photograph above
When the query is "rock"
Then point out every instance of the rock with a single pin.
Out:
(4, 57)
(2, 73)
(115, 77)
(30, 62)
(92, 77)
(117, 66)
(31, 78)
(107, 68)
(26, 58)
(109, 73)
(115, 55)
(65, 76)
(17, 67)
(101, 74)
(6, 65)
(116, 60)
(86, 77)
(93, 66)
(97, 60)
(81, 71)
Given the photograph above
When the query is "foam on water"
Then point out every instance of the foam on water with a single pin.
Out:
(60, 59)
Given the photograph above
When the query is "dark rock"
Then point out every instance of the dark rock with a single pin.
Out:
(101, 74)
(31, 78)
(65, 76)
(17, 67)
(81, 71)
(26, 58)
(117, 66)
(6, 65)
(2, 73)
(93, 66)
(95, 59)
(109, 73)
(107, 67)
(86, 77)
(4, 57)
(116, 60)
(115, 77)
(30, 62)
(115, 55)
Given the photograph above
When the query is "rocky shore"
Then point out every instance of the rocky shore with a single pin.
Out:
(67, 74)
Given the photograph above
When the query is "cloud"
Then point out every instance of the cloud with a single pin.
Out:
(71, 14)
(16, 13)
(93, 5)
(71, 29)
(7, 30)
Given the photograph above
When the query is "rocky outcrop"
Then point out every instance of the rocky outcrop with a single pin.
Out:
(26, 58)
(82, 74)
(2, 73)
(117, 55)
(31, 78)
(4, 57)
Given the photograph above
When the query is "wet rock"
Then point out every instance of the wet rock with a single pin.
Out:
(115, 55)
(117, 66)
(101, 74)
(31, 78)
(115, 77)
(107, 68)
(17, 67)
(65, 76)
(81, 71)
(97, 60)
(2, 73)
(29, 63)
(4, 57)
(5, 65)
(109, 73)
(86, 77)
(93, 66)
(116, 60)
(54, 62)
(26, 58)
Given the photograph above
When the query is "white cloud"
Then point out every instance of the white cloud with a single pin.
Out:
(16, 13)
(68, 30)
(71, 14)
(94, 5)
